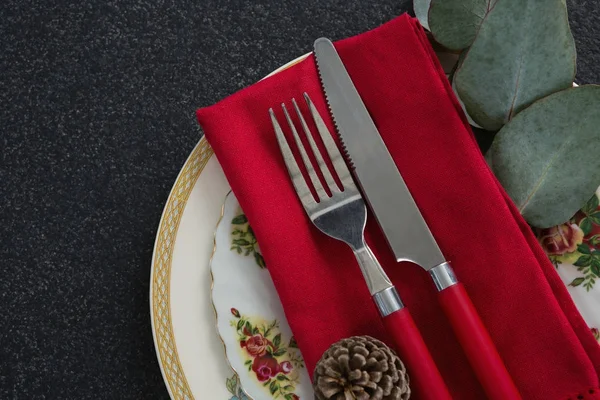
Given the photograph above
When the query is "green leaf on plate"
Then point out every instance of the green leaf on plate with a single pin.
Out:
(260, 261)
(586, 225)
(577, 281)
(591, 206)
(596, 267)
(421, 8)
(523, 51)
(547, 156)
(241, 242)
(293, 343)
(231, 383)
(594, 240)
(277, 340)
(583, 249)
(595, 217)
(273, 387)
(239, 220)
(279, 352)
(454, 23)
(583, 261)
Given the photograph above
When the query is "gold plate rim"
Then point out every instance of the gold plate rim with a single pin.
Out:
(160, 273)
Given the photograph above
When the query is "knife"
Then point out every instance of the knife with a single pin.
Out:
(405, 229)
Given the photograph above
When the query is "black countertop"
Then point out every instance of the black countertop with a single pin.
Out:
(97, 117)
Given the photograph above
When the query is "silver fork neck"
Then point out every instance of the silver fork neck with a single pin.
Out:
(372, 271)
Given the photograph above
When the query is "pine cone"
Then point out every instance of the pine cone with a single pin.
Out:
(360, 368)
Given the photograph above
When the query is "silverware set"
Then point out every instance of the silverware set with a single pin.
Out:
(339, 210)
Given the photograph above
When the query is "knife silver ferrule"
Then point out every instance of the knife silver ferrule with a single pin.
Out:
(388, 301)
(443, 276)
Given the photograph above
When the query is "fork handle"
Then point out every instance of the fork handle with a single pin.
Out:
(424, 375)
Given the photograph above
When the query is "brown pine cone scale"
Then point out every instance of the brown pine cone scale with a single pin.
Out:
(360, 368)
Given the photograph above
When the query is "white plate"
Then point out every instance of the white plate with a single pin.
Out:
(190, 352)
(258, 340)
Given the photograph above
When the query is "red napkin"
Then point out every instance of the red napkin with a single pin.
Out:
(547, 347)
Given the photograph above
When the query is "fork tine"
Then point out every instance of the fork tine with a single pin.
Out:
(290, 162)
(321, 194)
(339, 165)
(313, 145)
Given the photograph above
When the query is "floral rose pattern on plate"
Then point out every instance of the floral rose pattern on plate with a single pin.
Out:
(576, 242)
(268, 358)
(243, 240)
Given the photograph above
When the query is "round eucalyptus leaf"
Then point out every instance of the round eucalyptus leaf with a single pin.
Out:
(548, 157)
(421, 8)
(523, 51)
(454, 23)
(462, 104)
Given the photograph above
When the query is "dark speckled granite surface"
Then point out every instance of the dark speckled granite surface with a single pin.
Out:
(97, 105)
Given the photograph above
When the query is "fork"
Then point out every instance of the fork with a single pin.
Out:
(342, 215)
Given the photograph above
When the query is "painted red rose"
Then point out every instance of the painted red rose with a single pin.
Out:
(265, 367)
(560, 239)
(295, 397)
(256, 345)
(286, 367)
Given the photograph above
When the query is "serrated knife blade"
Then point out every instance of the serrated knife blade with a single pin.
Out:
(386, 192)
(401, 221)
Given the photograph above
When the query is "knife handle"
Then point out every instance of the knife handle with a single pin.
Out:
(425, 378)
(473, 336)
